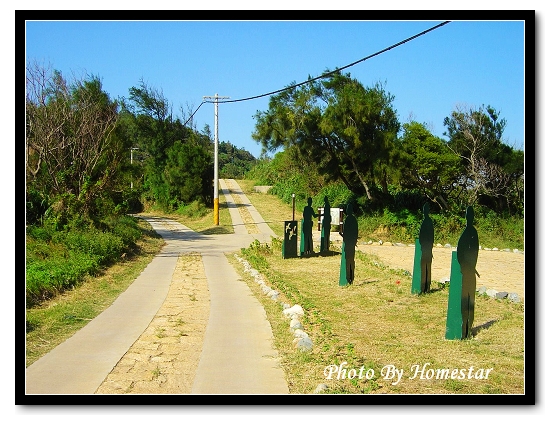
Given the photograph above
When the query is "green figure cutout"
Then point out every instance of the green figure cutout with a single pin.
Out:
(454, 314)
(460, 311)
(350, 234)
(307, 227)
(325, 227)
(422, 269)
(416, 286)
(467, 250)
(426, 239)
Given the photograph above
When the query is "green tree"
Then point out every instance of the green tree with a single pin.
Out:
(234, 162)
(347, 130)
(165, 144)
(489, 166)
(425, 163)
(188, 173)
(73, 156)
(152, 116)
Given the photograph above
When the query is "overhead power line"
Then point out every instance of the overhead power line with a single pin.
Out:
(325, 74)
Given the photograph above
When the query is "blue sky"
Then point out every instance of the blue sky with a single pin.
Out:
(465, 62)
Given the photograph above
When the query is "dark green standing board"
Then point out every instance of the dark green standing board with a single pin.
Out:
(423, 254)
(302, 238)
(290, 242)
(416, 287)
(343, 272)
(350, 233)
(454, 307)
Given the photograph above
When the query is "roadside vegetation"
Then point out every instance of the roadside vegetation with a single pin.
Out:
(94, 163)
(387, 226)
(59, 312)
(377, 323)
(57, 309)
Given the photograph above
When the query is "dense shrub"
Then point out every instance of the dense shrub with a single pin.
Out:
(412, 200)
(36, 206)
(58, 260)
(284, 189)
(39, 233)
(105, 246)
(125, 227)
(337, 193)
(49, 277)
(262, 173)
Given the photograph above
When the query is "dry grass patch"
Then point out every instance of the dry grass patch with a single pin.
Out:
(377, 323)
(204, 224)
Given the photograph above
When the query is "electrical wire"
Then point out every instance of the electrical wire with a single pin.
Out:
(322, 75)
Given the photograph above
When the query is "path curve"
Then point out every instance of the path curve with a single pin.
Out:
(238, 355)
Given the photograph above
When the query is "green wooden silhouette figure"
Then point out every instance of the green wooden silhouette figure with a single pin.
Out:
(350, 233)
(463, 277)
(325, 227)
(422, 270)
(307, 228)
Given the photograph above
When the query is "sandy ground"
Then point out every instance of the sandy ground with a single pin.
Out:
(165, 357)
(499, 270)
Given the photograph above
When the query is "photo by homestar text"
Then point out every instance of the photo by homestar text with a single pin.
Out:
(395, 374)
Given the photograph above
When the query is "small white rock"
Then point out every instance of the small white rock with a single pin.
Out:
(304, 344)
(296, 324)
(295, 309)
(299, 333)
(320, 388)
(491, 292)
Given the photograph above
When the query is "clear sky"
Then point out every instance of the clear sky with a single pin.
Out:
(469, 62)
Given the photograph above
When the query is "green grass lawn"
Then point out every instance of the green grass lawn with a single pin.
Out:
(377, 326)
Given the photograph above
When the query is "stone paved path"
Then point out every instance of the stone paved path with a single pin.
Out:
(237, 355)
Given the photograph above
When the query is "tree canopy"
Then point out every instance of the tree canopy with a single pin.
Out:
(73, 154)
(337, 123)
(88, 155)
(352, 135)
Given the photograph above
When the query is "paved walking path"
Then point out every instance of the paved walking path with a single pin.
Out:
(238, 355)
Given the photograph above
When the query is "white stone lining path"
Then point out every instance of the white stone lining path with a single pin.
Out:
(302, 341)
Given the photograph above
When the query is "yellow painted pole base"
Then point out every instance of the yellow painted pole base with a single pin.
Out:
(216, 211)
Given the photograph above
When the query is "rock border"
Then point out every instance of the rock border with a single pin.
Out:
(294, 313)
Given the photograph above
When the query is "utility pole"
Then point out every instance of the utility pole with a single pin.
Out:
(216, 196)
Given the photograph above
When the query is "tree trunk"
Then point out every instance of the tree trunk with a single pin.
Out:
(363, 182)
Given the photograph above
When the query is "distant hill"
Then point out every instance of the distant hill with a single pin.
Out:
(234, 162)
